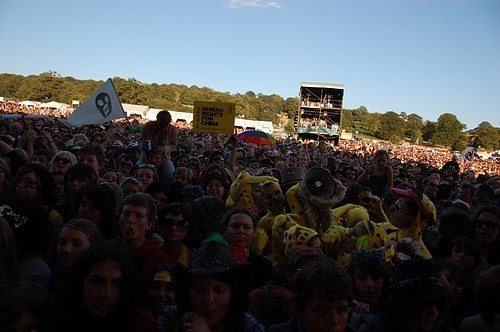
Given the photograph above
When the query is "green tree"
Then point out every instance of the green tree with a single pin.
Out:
(250, 94)
(414, 127)
(130, 91)
(391, 127)
(429, 130)
(290, 106)
(360, 119)
(403, 116)
(448, 131)
(9, 85)
(487, 136)
(414, 122)
(416, 137)
(289, 129)
(347, 121)
(43, 88)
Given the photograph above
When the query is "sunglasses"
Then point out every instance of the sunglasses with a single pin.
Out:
(62, 160)
(148, 166)
(125, 164)
(368, 253)
(27, 183)
(431, 185)
(179, 225)
(427, 304)
(487, 223)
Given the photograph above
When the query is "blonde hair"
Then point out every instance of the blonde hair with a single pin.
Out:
(281, 164)
(63, 154)
(183, 171)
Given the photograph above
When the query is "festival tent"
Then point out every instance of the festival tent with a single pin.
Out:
(132, 109)
(29, 103)
(265, 126)
(56, 105)
(181, 116)
(176, 116)
(151, 114)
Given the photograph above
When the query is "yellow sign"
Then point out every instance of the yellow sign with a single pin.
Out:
(214, 117)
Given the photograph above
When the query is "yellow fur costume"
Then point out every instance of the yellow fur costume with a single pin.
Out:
(280, 225)
(349, 214)
(314, 212)
(425, 214)
(335, 240)
(241, 191)
(297, 235)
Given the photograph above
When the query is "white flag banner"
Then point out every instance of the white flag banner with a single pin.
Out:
(102, 107)
(467, 154)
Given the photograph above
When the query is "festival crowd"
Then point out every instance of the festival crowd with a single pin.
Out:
(148, 226)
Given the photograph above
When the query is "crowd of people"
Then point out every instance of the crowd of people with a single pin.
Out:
(150, 226)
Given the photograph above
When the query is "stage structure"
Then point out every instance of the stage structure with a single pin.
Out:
(319, 115)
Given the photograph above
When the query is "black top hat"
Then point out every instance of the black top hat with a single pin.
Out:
(418, 276)
(290, 177)
(214, 258)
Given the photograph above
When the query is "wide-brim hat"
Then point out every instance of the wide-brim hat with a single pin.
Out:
(418, 276)
(214, 258)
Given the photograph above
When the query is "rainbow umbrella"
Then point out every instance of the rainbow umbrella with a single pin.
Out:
(256, 137)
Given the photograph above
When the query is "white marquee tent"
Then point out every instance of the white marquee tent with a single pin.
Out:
(56, 105)
(29, 103)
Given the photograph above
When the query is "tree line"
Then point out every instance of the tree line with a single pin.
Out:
(446, 131)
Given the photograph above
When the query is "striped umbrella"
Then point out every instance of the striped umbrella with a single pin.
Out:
(256, 137)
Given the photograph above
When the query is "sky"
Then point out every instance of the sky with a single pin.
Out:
(426, 57)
